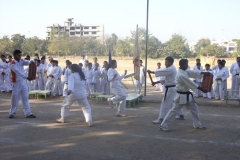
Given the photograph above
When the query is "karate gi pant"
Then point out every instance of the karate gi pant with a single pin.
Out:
(167, 103)
(29, 85)
(96, 87)
(233, 87)
(104, 87)
(50, 85)
(237, 88)
(138, 87)
(218, 89)
(65, 89)
(89, 88)
(192, 106)
(38, 83)
(197, 93)
(20, 91)
(59, 88)
(7, 86)
(69, 100)
(120, 98)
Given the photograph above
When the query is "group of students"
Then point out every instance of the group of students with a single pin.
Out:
(75, 85)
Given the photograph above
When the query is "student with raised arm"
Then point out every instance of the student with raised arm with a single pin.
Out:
(184, 97)
(169, 82)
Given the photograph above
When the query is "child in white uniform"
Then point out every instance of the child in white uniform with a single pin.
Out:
(104, 84)
(159, 86)
(208, 95)
(141, 78)
(66, 76)
(197, 93)
(89, 79)
(96, 78)
(38, 82)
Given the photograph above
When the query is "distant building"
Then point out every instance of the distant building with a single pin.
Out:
(78, 30)
(229, 46)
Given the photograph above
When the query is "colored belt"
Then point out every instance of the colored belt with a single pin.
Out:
(187, 93)
(167, 90)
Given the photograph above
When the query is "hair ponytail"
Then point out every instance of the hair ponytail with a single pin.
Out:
(76, 68)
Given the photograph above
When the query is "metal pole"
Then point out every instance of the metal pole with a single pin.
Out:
(145, 86)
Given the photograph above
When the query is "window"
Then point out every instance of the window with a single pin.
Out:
(77, 27)
(72, 28)
(72, 33)
(94, 32)
(94, 27)
(86, 32)
(86, 27)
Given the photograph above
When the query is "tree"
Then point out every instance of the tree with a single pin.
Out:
(238, 45)
(33, 46)
(201, 45)
(6, 46)
(17, 41)
(177, 46)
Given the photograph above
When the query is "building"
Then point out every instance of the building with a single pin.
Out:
(78, 30)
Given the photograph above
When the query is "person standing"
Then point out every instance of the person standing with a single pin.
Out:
(5, 74)
(96, 78)
(104, 84)
(20, 89)
(234, 78)
(184, 97)
(66, 76)
(52, 75)
(38, 82)
(159, 86)
(117, 88)
(141, 79)
(89, 80)
(208, 95)
(169, 82)
(76, 92)
(197, 93)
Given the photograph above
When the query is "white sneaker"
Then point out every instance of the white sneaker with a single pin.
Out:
(110, 103)
(120, 114)
(164, 128)
(157, 121)
(200, 127)
(60, 120)
(90, 124)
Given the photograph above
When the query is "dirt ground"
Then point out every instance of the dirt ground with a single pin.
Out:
(131, 137)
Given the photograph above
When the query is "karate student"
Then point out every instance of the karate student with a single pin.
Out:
(208, 95)
(104, 84)
(220, 77)
(184, 97)
(45, 67)
(234, 78)
(197, 93)
(59, 88)
(38, 82)
(159, 86)
(5, 74)
(85, 67)
(95, 61)
(84, 58)
(89, 80)
(117, 88)
(141, 79)
(10, 58)
(196, 67)
(20, 89)
(26, 69)
(52, 76)
(169, 73)
(76, 92)
(66, 76)
(80, 65)
(96, 78)
(227, 74)
(236, 74)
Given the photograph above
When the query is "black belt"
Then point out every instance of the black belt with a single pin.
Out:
(187, 93)
(167, 90)
(236, 74)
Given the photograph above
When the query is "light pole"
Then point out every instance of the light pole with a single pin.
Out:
(145, 86)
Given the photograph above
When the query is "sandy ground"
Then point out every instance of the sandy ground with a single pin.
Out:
(131, 137)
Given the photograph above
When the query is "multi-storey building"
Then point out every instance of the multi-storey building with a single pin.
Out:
(78, 30)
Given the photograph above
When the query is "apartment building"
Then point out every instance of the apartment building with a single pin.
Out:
(78, 30)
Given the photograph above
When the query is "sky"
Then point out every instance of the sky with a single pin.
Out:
(193, 19)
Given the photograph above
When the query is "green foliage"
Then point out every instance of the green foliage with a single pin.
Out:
(235, 54)
(6, 46)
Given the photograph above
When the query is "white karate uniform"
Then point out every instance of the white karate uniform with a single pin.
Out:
(159, 86)
(117, 88)
(225, 82)
(38, 82)
(89, 81)
(51, 82)
(234, 78)
(96, 80)
(29, 83)
(141, 80)
(5, 83)
(235, 74)
(104, 84)
(76, 85)
(46, 65)
(169, 81)
(208, 95)
(59, 88)
(184, 84)
(66, 75)
(198, 81)
(20, 89)
(219, 84)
